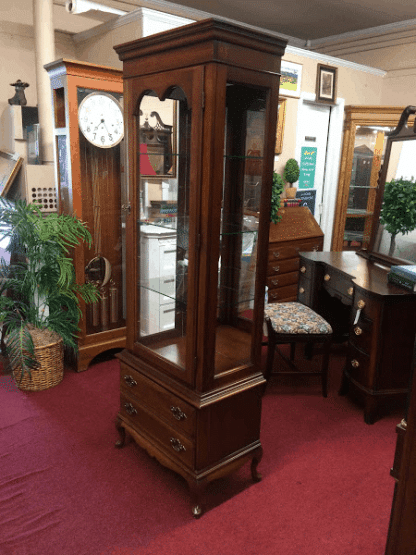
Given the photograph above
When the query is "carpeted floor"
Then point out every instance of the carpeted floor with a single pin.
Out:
(66, 490)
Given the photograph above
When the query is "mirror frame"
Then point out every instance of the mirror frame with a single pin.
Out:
(401, 133)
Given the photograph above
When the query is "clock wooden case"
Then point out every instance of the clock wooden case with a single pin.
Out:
(88, 133)
(191, 387)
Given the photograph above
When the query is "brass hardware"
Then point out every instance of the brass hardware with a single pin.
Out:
(303, 269)
(301, 290)
(315, 249)
(130, 381)
(275, 281)
(361, 304)
(126, 208)
(177, 445)
(273, 295)
(327, 277)
(130, 409)
(276, 268)
(276, 254)
(177, 413)
(355, 363)
(350, 290)
(358, 330)
(403, 423)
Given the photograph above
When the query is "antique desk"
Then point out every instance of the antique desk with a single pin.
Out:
(378, 320)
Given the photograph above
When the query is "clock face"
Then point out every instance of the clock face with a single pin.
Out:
(100, 119)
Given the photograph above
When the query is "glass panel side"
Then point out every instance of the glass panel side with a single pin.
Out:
(242, 187)
(163, 135)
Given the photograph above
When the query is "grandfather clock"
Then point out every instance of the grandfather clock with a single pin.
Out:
(89, 132)
(197, 237)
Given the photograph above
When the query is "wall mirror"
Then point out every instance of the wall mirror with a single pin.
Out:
(396, 197)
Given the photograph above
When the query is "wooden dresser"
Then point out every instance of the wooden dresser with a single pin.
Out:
(297, 231)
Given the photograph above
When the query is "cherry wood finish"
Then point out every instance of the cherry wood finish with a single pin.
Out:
(193, 399)
(80, 167)
(297, 231)
(352, 293)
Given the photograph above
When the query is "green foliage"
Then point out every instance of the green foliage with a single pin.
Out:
(398, 212)
(291, 171)
(38, 288)
(277, 189)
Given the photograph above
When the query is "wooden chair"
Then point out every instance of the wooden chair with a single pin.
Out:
(292, 323)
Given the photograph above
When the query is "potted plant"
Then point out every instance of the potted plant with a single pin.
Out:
(398, 211)
(39, 296)
(277, 190)
(291, 175)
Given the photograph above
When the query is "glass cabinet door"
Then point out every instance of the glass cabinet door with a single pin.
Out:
(163, 135)
(369, 146)
(242, 188)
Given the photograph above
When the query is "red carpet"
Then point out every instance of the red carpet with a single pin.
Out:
(66, 490)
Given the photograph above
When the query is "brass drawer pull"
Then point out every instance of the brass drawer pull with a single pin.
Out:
(130, 381)
(350, 290)
(276, 254)
(275, 281)
(327, 277)
(303, 269)
(130, 409)
(361, 304)
(276, 268)
(177, 413)
(273, 295)
(358, 330)
(355, 363)
(315, 248)
(177, 445)
(301, 290)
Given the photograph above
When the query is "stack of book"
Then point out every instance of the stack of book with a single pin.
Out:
(405, 276)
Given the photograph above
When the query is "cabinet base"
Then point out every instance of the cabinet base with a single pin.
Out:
(197, 480)
(81, 360)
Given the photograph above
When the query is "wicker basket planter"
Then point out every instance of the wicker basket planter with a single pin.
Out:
(49, 355)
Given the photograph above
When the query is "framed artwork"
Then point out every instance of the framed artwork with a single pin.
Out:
(10, 163)
(280, 126)
(326, 84)
(291, 79)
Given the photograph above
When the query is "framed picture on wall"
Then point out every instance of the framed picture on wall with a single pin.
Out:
(280, 126)
(326, 84)
(10, 163)
(291, 79)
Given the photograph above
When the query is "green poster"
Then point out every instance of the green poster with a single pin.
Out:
(307, 167)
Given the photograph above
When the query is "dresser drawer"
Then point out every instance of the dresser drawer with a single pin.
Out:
(174, 410)
(282, 293)
(358, 364)
(276, 267)
(282, 280)
(361, 335)
(291, 249)
(304, 290)
(338, 284)
(369, 308)
(175, 444)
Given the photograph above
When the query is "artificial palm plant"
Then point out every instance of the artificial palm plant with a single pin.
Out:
(38, 287)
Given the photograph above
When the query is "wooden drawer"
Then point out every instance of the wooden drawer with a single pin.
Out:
(282, 280)
(306, 269)
(172, 409)
(276, 267)
(358, 364)
(281, 293)
(361, 335)
(304, 290)
(369, 307)
(175, 444)
(292, 249)
(338, 284)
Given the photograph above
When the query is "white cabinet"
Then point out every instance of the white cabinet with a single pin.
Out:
(157, 276)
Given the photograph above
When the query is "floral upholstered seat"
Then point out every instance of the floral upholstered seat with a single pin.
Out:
(294, 317)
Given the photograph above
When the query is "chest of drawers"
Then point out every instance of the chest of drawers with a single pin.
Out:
(296, 232)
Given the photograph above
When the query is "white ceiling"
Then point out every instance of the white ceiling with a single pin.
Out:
(307, 20)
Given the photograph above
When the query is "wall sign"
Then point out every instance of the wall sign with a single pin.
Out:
(308, 199)
(307, 167)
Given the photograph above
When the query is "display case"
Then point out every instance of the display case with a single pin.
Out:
(88, 134)
(197, 234)
(365, 132)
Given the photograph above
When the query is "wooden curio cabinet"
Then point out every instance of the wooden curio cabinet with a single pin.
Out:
(365, 133)
(197, 99)
(90, 180)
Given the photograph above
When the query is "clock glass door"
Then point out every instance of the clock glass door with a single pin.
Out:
(103, 198)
